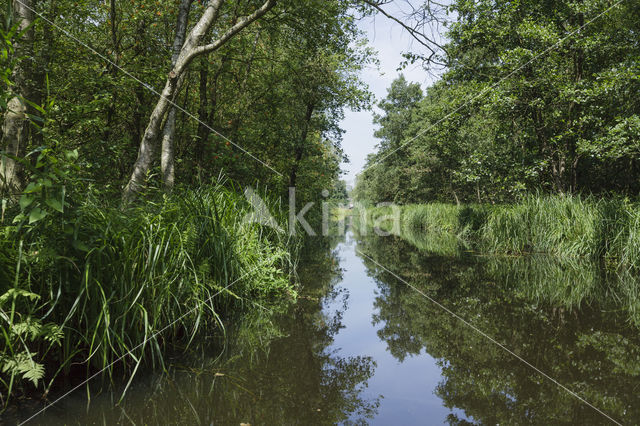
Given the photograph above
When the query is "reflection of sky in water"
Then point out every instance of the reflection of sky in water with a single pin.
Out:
(407, 387)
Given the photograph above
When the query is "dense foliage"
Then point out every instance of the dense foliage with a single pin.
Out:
(276, 90)
(88, 275)
(90, 285)
(530, 101)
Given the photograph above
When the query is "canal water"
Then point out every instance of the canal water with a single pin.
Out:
(362, 347)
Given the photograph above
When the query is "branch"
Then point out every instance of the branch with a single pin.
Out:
(420, 37)
(239, 26)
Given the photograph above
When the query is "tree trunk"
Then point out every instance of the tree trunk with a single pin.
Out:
(15, 127)
(167, 157)
(113, 72)
(299, 148)
(190, 50)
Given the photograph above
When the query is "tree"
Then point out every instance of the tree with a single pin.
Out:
(15, 126)
(167, 157)
(536, 97)
(191, 49)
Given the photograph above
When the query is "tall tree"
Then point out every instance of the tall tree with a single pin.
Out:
(167, 157)
(191, 49)
(15, 127)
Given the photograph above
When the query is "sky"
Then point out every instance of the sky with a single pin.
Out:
(390, 40)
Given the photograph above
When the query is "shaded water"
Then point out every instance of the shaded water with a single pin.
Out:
(362, 347)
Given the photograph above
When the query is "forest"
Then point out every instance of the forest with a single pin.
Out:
(130, 131)
(137, 134)
(533, 97)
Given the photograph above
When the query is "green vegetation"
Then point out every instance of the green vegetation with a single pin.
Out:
(122, 211)
(130, 131)
(526, 104)
(135, 280)
(567, 227)
(272, 366)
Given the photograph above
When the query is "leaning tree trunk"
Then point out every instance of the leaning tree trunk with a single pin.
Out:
(15, 126)
(167, 157)
(191, 49)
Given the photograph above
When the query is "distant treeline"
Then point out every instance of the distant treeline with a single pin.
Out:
(536, 96)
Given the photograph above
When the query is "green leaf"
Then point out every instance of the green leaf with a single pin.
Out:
(13, 293)
(72, 155)
(25, 201)
(19, 218)
(32, 187)
(36, 214)
(33, 372)
(55, 204)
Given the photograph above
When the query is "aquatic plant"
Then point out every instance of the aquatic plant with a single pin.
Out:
(132, 282)
(565, 226)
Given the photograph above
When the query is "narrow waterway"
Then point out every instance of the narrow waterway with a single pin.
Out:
(405, 387)
(362, 347)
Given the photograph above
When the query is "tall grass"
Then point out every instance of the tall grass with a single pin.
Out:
(564, 226)
(110, 279)
(562, 251)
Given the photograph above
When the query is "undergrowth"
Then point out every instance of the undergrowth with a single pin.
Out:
(86, 286)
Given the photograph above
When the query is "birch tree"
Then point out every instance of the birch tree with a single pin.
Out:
(192, 48)
(167, 156)
(15, 126)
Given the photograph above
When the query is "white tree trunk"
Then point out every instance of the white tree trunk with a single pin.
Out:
(15, 126)
(167, 156)
(190, 50)
(14, 135)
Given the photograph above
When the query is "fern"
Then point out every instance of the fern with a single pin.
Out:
(21, 333)
(22, 364)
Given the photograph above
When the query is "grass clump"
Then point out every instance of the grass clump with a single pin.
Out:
(106, 281)
(564, 226)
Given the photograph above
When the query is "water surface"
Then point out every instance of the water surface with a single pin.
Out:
(362, 347)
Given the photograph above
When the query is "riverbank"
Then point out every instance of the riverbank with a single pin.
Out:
(563, 226)
(360, 346)
(87, 286)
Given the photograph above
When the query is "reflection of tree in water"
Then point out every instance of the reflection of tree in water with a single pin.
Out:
(276, 369)
(593, 352)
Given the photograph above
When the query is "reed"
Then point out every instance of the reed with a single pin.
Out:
(558, 251)
(108, 280)
(564, 226)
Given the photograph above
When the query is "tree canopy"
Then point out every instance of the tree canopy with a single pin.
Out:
(536, 96)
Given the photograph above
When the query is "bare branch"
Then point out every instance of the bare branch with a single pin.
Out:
(428, 16)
